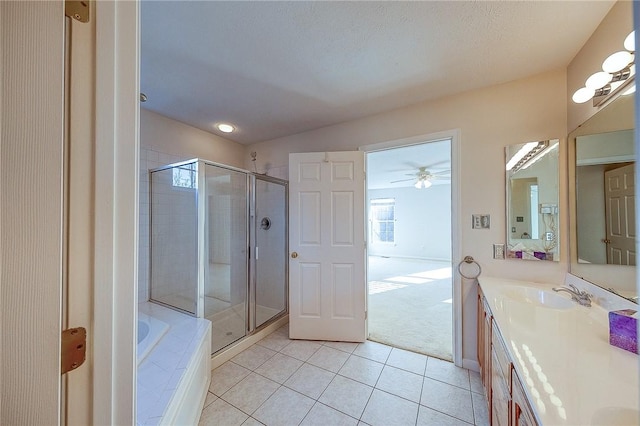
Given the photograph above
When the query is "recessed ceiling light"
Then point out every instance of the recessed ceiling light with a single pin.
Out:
(226, 128)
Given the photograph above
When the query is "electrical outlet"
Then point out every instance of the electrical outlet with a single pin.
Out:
(548, 236)
(498, 251)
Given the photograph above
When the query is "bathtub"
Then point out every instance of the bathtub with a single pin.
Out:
(174, 366)
(150, 331)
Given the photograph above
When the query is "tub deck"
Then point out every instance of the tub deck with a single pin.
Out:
(174, 377)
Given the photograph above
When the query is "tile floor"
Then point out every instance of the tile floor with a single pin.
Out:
(279, 381)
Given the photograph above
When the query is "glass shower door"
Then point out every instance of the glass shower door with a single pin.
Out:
(226, 243)
(174, 236)
(271, 249)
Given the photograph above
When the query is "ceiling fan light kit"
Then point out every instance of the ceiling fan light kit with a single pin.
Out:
(423, 183)
(423, 177)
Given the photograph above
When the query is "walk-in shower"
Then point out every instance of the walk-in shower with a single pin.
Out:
(219, 246)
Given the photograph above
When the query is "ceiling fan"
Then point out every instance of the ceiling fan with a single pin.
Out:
(423, 177)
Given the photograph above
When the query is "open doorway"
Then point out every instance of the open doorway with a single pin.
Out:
(410, 248)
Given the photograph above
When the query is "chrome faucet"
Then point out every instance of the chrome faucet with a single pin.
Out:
(577, 295)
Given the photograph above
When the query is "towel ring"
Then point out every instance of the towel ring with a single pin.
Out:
(469, 259)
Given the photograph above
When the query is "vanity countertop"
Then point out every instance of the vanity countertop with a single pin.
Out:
(571, 375)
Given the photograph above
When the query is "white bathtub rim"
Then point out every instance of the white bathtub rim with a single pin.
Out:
(157, 329)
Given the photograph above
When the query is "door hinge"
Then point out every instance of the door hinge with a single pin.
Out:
(74, 348)
(365, 314)
(78, 10)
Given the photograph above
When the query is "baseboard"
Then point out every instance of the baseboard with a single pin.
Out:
(471, 364)
(225, 355)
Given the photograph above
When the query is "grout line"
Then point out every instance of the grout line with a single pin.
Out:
(374, 387)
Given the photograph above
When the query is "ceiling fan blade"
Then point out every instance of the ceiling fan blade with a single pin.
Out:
(402, 180)
(441, 172)
(412, 165)
(434, 165)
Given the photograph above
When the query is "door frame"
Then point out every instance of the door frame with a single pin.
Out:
(456, 253)
(116, 171)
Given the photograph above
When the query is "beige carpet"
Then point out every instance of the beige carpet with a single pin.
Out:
(410, 305)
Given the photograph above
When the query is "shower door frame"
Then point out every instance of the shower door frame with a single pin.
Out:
(202, 258)
(253, 264)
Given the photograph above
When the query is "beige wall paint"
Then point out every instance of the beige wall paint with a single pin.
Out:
(488, 119)
(608, 38)
(171, 137)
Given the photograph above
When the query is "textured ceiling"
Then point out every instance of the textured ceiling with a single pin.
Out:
(279, 68)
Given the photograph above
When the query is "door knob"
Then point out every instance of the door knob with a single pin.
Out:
(606, 241)
(294, 255)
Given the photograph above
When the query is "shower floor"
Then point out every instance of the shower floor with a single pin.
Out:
(229, 324)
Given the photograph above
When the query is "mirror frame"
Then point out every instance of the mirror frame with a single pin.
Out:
(599, 274)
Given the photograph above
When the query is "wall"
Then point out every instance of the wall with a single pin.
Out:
(608, 38)
(423, 223)
(164, 141)
(488, 119)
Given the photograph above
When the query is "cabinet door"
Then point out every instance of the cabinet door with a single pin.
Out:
(480, 334)
(488, 319)
(500, 397)
(484, 345)
(521, 413)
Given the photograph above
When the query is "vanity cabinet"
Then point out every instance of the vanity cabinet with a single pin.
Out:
(500, 379)
(521, 413)
(484, 344)
(508, 405)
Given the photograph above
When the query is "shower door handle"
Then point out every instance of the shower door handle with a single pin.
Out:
(294, 255)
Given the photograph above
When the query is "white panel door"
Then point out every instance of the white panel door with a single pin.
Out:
(327, 282)
(620, 216)
(31, 220)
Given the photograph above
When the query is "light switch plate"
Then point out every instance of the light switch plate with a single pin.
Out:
(498, 251)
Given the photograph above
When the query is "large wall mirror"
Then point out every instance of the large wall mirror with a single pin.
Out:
(532, 200)
(602, 198)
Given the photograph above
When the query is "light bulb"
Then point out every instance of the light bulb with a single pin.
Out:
(630, 90)
(426, 183)
(418, 184)
(630, 42)
(617, 61)
(598, 80)
(226, 128)
(583, 95)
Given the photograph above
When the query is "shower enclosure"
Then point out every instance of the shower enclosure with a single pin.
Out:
(219, 246)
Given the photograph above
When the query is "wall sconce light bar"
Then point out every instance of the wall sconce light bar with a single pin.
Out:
(620, 81)
(535, 150)
(618, 72)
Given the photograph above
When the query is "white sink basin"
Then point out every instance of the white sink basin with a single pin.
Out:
(618, 416)
(539, 297)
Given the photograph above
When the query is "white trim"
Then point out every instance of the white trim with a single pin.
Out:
(116, 211)
(413, 140)
(471, 364)
(456, 243)
(606, 160)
